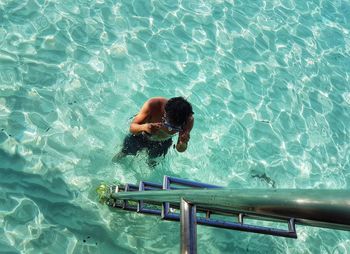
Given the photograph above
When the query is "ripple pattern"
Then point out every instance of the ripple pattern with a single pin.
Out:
(268, 80)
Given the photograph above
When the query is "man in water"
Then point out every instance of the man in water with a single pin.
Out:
(154, 126)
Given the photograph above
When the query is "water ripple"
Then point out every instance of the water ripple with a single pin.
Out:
(269, 86)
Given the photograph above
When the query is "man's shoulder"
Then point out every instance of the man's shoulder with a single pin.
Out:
(157, 101)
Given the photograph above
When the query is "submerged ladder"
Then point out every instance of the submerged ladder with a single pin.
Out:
(194, 203)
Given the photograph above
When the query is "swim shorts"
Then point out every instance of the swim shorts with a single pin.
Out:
(135, 143)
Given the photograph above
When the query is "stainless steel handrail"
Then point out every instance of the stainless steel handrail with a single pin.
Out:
(321, 208)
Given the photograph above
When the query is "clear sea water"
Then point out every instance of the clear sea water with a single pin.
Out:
(268, 80)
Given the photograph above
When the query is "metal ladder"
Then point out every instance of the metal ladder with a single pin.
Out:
(194, 203)
(188, 211)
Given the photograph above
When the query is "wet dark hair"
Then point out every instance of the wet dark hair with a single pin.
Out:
(178, 110)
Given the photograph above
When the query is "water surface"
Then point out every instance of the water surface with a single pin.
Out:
(268, 80)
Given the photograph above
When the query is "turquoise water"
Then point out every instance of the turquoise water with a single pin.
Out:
(268, 80)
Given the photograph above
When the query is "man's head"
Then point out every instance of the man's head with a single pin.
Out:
(177, 111)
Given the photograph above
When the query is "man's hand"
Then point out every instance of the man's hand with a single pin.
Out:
(152, 128)
(181, 145)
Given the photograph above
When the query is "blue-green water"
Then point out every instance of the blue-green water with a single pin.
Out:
(268, 80)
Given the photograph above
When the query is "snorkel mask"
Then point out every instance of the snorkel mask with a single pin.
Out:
(169, 126)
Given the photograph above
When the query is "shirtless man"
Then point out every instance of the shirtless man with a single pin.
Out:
(154, 126)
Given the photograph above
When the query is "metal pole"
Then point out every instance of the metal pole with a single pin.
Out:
(188, 228)
(319, 208)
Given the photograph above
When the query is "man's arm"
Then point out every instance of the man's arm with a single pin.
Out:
(184, 136)
(139, 123)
